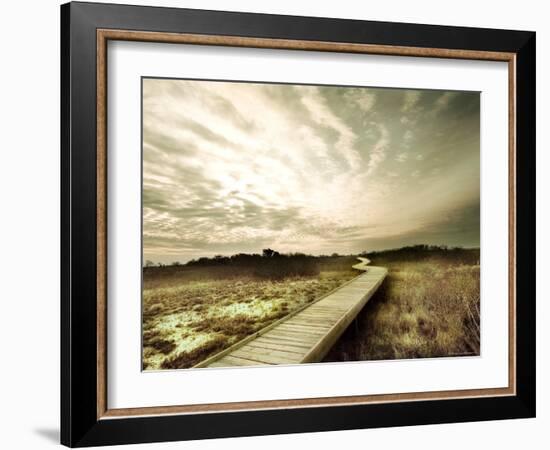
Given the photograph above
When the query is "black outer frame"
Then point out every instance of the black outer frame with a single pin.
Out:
(79, 423)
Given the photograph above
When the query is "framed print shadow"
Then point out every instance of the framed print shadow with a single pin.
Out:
(277, 224)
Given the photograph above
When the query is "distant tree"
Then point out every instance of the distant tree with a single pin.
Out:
(335, 255)
(176, 263)
(267, 252)
(149, 263)
(220, 259)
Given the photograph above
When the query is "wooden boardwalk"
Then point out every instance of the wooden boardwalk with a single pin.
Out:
(307, 334)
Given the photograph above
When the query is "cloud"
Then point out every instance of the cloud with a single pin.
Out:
(402, 157)
(378, 153)
(410, 101)
(321, 114)
(364, 99)
(443, 101)
(234, 167)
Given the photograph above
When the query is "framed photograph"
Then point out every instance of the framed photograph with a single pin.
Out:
(277, 224)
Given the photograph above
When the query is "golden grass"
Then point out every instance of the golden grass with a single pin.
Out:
(186, 321)
(423, 309)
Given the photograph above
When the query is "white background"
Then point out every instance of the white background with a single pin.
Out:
(29, 236)
(130, 388)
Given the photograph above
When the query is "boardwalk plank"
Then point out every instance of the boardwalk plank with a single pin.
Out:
(291, 344)
(231, 360)
(266, 357)
(259, 354)
(277, 346)
(309, 334)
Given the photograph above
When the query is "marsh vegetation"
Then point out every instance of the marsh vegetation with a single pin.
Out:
(195, 310)
(428, 306)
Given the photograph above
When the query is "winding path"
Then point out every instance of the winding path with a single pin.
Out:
(363, 264)
(307, 334)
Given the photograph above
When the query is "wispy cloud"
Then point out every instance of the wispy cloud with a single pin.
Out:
(410, 100)
(378, 153)
(443, 101)
(321, 114)
(233, 167)
(365, 99)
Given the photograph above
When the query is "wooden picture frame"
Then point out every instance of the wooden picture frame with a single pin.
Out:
(86, 418)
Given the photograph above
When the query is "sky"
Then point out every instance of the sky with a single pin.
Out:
(236, 167)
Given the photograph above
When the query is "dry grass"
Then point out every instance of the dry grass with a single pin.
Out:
(423, 309)
(428, 306)
(187, 319)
